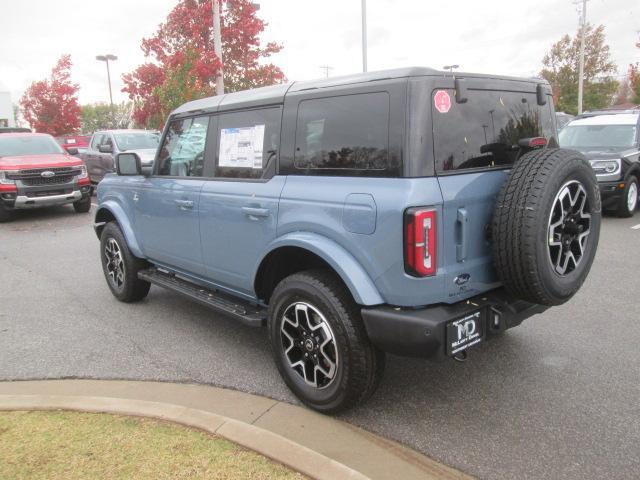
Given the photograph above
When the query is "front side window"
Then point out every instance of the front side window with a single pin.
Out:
(28, 145)
(349, 132)
(484, 131)
(248, 142)
(182, 152)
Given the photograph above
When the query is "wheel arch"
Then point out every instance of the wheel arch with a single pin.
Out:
(302, 251)
(112, 212)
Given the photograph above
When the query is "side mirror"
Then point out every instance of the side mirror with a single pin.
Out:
(72, 151)
(128, 164)
(105, 148)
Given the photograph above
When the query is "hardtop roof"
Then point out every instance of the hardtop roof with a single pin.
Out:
(24, 134)
(275, 94)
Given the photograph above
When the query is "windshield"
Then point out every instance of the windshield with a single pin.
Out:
(137, 140)
(597, 136)
(28, 145)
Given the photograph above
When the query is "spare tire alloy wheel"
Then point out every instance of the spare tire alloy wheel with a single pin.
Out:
(114, 263)
(569, 227)
(310, 345)
(546, 226)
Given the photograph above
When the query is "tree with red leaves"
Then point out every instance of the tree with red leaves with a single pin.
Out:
(51, 105)
(184, 66)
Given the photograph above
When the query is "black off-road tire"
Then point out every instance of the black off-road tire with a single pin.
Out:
(82, 206)
(522, 220)
(6, 215)
(132, 289)
(623, 210)
(360, 364)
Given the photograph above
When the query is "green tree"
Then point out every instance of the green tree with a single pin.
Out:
(634, 79)
(561, 67)
(99, 116)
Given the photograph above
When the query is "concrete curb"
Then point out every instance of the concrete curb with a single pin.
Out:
(318, 446)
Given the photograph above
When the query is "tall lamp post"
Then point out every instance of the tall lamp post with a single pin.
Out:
(217, 41)
(107, 58)
(451, 67)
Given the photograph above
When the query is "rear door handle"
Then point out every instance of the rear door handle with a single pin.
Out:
(461, 248)
(184, 204)
(255, 211)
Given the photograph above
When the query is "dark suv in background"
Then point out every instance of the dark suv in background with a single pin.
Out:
(610, 140)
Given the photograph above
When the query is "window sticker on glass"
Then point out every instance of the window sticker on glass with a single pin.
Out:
(241, 147)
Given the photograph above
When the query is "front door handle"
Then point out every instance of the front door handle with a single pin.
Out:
(184, 204)
(255, 211)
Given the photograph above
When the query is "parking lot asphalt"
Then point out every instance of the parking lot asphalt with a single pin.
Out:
(558, 397)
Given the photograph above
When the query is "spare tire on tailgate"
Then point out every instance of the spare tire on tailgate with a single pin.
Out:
(546, 226)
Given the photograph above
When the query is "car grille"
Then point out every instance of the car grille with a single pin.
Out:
(33, 177)
(32, 181)
(48, 193)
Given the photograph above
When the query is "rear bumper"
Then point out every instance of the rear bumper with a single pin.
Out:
(422, 332)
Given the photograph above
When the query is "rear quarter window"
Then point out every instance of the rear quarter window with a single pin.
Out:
(484, 131)
(345, 135)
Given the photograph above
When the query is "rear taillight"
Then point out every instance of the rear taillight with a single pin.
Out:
(420, 241)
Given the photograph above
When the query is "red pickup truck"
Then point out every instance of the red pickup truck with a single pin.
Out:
(36, 172)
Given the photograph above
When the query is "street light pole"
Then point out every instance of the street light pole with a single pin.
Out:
(217, 45)
(581, 67)
(364, 35)
(106, 58)
(451, 67)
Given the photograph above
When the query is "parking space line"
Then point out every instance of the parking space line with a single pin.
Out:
(94, 204)
(636, 227)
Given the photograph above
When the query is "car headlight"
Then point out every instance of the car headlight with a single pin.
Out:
(3, 177)
(83, 172)
(605, 167)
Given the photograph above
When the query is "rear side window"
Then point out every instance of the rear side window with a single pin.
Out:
(484, 131)
(182, 151)
(348, 134)
(247, 142)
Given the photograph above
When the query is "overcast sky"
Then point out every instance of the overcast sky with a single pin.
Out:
(491, 36)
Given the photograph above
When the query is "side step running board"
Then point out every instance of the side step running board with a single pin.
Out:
(246, 312)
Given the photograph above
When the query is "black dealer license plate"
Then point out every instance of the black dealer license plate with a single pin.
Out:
(464, 332)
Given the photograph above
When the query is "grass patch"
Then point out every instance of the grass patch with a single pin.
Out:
(72, 445)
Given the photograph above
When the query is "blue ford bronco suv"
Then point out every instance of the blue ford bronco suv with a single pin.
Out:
(406, 211)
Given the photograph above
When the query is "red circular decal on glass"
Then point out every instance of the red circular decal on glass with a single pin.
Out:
(442, 101)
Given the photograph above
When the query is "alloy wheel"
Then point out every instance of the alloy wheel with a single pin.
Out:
(632, 197)
(309, 344)
(569, 227)
(115, 263)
